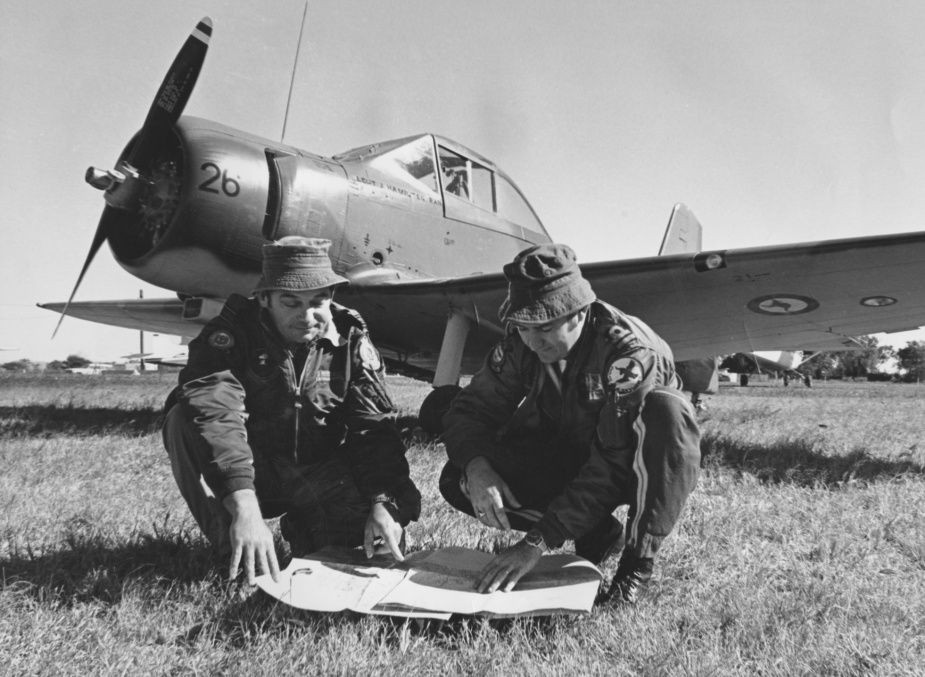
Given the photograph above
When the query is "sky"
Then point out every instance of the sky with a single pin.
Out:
(775, 121)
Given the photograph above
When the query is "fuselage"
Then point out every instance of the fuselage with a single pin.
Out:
(418, 207)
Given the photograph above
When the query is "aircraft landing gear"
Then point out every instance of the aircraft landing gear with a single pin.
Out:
(446, 376)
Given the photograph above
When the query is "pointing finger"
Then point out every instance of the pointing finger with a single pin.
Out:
(509, 495)
(498, 513)
(368, 545)
(392, 545)
(249, 565)
(274, 565)
(235, 561)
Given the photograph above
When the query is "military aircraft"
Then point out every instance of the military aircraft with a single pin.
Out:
(422, 227)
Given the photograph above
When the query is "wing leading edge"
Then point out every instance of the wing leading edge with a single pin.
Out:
(807, 296)
(163, 316)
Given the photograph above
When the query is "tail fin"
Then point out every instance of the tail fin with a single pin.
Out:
(684, 233)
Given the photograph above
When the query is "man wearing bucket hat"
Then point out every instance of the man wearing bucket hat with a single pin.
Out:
(576, 412)
(253, 432)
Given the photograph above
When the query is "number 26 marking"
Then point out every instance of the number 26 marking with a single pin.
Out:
(229, 186)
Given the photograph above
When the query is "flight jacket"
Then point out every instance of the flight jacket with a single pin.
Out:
(253, 409)
(616, 362)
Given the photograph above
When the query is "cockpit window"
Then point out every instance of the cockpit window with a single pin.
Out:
(417, 159)
(466, 179)
(514, 207)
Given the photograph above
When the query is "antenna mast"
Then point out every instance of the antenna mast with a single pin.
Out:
(294, 66)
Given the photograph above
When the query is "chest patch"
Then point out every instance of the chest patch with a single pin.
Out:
(592, 388)
(369, 356)
(221, 339)
(624, 375)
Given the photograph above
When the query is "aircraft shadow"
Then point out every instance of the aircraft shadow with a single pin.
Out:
(51, 421)
(796, 462)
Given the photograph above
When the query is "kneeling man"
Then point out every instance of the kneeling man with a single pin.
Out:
(253, 432)
(576, 412)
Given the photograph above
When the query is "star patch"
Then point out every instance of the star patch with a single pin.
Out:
(369, 356)
(221, 339)
(624, 375)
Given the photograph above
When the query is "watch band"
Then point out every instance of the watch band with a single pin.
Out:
(384, 498)
(535, 539)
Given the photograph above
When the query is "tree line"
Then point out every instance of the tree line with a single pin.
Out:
(70, 362)
(871, 361)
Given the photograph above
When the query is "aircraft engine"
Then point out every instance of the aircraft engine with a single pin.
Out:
(216, 195)
(198, 225)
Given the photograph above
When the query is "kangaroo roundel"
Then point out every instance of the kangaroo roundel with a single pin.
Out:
(624, 375)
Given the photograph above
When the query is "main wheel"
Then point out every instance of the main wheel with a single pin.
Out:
(434, 406)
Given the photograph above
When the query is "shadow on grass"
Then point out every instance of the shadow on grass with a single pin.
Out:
(51, 421)
(798, 463)
(90, 567)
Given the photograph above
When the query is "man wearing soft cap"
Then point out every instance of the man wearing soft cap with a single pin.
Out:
(253, 432)
(576, 412)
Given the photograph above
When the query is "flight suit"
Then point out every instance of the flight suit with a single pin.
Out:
(612, 429)
(250, 414)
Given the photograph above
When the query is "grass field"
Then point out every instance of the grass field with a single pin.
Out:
(802, 552)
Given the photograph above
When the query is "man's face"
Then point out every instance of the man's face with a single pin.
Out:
(299, 316)
(553, 341)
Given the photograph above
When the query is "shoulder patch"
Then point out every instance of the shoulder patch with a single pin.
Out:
(221, 339)
(497, 357)
(621, 337)
(369, 356)
(624, 375)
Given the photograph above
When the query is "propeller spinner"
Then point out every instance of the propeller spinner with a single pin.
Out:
(126, 187)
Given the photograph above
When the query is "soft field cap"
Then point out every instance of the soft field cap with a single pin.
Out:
(544, 284)
(297, 264)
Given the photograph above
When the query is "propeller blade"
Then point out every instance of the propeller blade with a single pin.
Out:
(99, 237)
(168, 105)
(176, 88)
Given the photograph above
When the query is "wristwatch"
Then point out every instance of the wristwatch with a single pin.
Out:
(535, 538)
(388, 499)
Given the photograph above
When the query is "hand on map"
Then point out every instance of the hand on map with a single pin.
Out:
(508, 568)
(251, 539)
(381, 524)
(488, 492)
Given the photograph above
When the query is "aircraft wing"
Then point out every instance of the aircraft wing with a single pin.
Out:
(811, 296)
(163, 316)
(806, 296)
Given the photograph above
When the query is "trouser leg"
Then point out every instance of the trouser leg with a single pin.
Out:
(324, 506)
(666, 466)
(188, 457)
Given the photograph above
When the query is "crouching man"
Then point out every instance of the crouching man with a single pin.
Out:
(253, 432)
(576, 412)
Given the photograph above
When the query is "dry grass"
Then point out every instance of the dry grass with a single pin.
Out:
(802, 552)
